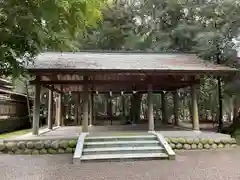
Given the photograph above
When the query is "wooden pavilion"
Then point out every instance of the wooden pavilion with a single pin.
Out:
(91, 72)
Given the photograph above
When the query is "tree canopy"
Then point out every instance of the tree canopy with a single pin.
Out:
(30, 26)
(205, 27)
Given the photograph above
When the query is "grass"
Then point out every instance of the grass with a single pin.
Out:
(14, 133)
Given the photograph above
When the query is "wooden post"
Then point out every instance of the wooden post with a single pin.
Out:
(85, 105)
(93, 110)
(90, 109)
(176, 104)
(59, 110)
(50, 109)
(195, 109)
(77, 102)
(79, 110)
(164, 107)
(110, 107)
(150, 109)
(56, 111)
(36, 116)
(123, 107)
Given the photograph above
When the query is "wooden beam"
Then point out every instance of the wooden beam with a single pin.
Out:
(52, 88)
(128, 85)
(89, 72)
(82, 82)
(113, 82)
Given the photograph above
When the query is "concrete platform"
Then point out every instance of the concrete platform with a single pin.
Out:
(69, 132)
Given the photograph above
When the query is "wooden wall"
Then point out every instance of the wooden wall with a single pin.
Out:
(14, 114)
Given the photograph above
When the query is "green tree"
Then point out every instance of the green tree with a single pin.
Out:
(113, 33)
(31, 26)
(205, 27)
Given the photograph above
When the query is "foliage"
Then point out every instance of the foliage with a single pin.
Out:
(112, 34)
(31, 26)
(205, 27)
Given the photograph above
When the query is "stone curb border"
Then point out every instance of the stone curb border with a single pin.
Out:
(200, 143)
(59, 145)
(47, 146)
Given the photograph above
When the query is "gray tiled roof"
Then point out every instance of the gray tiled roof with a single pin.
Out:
(123, 61)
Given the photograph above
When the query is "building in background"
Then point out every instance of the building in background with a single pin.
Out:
(14, 108)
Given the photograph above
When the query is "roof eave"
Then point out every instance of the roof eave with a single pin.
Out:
(167, 71)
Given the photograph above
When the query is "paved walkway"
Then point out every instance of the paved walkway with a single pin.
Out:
(193, 165)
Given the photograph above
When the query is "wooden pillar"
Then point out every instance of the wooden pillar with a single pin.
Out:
(90, 110)
(110, 107)
(195, 109)
(123, 106)
(176, 104)
(56, 110)
(150, 109)
(79, 110)
(164, 108)
(93, 110)
(50, 109)
(59, 110)
(76, 109)
(36, 116)
(61, 97)
(85, 106)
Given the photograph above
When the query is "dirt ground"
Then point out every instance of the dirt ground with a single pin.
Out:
(189, 165)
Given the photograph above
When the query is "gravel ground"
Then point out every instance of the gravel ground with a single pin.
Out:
(191, 165)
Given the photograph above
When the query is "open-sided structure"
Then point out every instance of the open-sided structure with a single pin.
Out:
(89, 72)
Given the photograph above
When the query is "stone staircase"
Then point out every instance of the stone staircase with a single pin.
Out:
(147, 146)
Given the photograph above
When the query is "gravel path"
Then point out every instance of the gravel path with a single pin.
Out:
(193, 165)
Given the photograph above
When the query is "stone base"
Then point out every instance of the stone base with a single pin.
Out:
(178, 143)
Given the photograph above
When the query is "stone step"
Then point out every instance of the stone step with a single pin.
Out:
(135, 143)
(119, 138)
(125, 156)
(123, 150)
